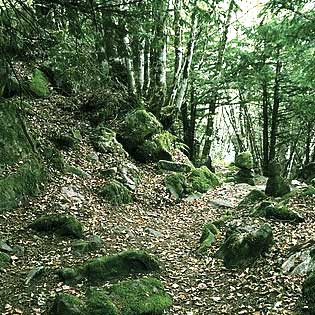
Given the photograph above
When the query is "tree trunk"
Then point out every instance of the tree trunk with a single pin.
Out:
(129, 66)
(265, 105)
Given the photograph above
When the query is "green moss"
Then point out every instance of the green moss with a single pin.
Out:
(64, 142)
(66, 304)
(119, 266)
(38, 85)
(277, 187)
(176, 184)
(99, 303)
(82, 247)
(54, 158)
(5, 259)
(252, 198)
(244, 160)
(202, 179)
(116, 193)
(64, 225)
(139, 126)
(69, 275)
(24, 182)
(140, 297)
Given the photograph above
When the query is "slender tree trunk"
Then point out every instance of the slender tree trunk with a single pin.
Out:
(308, 142)
(275, 110)
(129, 66)
(141, 71)
(265, 105)
(147, 67)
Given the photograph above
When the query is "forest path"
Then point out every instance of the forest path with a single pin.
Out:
(153, 222)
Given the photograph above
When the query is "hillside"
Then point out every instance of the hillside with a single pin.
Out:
(154, 221)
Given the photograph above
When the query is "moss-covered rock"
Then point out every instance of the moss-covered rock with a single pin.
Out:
(139, 126)
(64, 225)
(116, 193)
(76, 170)
(5, 259)
(119, 266)
(99, 303)
(69, 275)
(38, 85)
(24, 182)
(66, 304)
(174, 166)
(140, 297)
(54, 158)
(278, 212)
(104, 141)
(309, 292)
(94, 242)
(242, 247)
(202, 179)
(244, 160)
(157, 148)
(176, 184)
(307, 173)
(277, 187)
(245, 176)
(253, 197)
(209, 233)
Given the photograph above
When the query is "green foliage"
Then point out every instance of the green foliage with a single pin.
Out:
(141, 297)
(38, 85)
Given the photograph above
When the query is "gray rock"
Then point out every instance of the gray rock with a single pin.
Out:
(174, 166)
(153, 232)
(4, 247)
(35, 272)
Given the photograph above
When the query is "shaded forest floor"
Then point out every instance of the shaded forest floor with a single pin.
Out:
(154, 222)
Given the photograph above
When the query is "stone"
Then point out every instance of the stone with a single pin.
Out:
(174, 166)
(278, 212)
(66, 304)
(243, 246)
(244, 160)
(129, 175)
(35, 272)
(5, 260)
(119, 266)
(4, 247)
(64, 225)
(277, 187)
(93, 157)
(245, 176)
(104, 141)
(202, 179)
(72, 194)
(302, 259)
(140, 297)
(209, 233)
(69, 275)
(157, 148)
(76, 170)
(153, 232)
(99, 303)
(38, 85)
(176, 185)
(54, 158)
(309, 292)
(116, 193)
(109, 172)
(253, 197)
(81, 247)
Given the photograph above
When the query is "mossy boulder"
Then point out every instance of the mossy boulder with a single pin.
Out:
(309, 292)
(120, 266)
(145, 296)
(253, 197)
(202, 179)
(54, 158)
(104, 141)
(66, 304)
(174, 166)
(244, 160)
(176, 184)
(157, 148)
(243, 246)
(38, 85)
(94, 242)
(277, 187)
(279, 212)
(64, 225)
(99, 303)
(116, 193)
(139, 126)
(5, 259)
(245, 176)
(209, 233)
